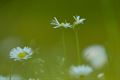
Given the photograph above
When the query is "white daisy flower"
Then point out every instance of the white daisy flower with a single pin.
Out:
(96, 56)
(57, 24)
(21, 53)
(78, 20)
(82, 70)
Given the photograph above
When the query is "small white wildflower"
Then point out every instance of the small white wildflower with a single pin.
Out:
(100, 75)
(78, 20)
(96, 55)
(66, 25)
(21, 53)
(57, 24)
(82, 70)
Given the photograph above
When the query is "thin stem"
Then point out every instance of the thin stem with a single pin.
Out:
(64, 48)
(10, 76)
(11, 72)
(77, 43)
(63, 43)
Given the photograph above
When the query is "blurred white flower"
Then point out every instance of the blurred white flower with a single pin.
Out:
(57, 24)
(3, 78)
(21, 53)
(100, 76)
(96, 55)
(16, 77)
(81, 70)
(13, 77)
(33, 79)
(78, 20)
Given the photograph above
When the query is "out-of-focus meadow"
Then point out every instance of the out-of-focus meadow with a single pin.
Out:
(27, 23)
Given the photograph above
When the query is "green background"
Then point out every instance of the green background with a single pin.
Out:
(27, 23)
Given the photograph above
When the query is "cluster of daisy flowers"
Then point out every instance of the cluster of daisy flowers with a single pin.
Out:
(19, 53)
(25, 53)
(94, 55)
(57, 24)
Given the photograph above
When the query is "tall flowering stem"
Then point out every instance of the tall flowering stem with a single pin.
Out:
(55, 22)
(78, 20)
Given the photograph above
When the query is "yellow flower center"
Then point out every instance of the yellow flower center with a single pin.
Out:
(22, 55)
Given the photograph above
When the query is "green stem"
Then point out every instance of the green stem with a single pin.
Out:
(10, 77)
(64, 46)
(11, 72)
(77, 43)
(63, 43)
